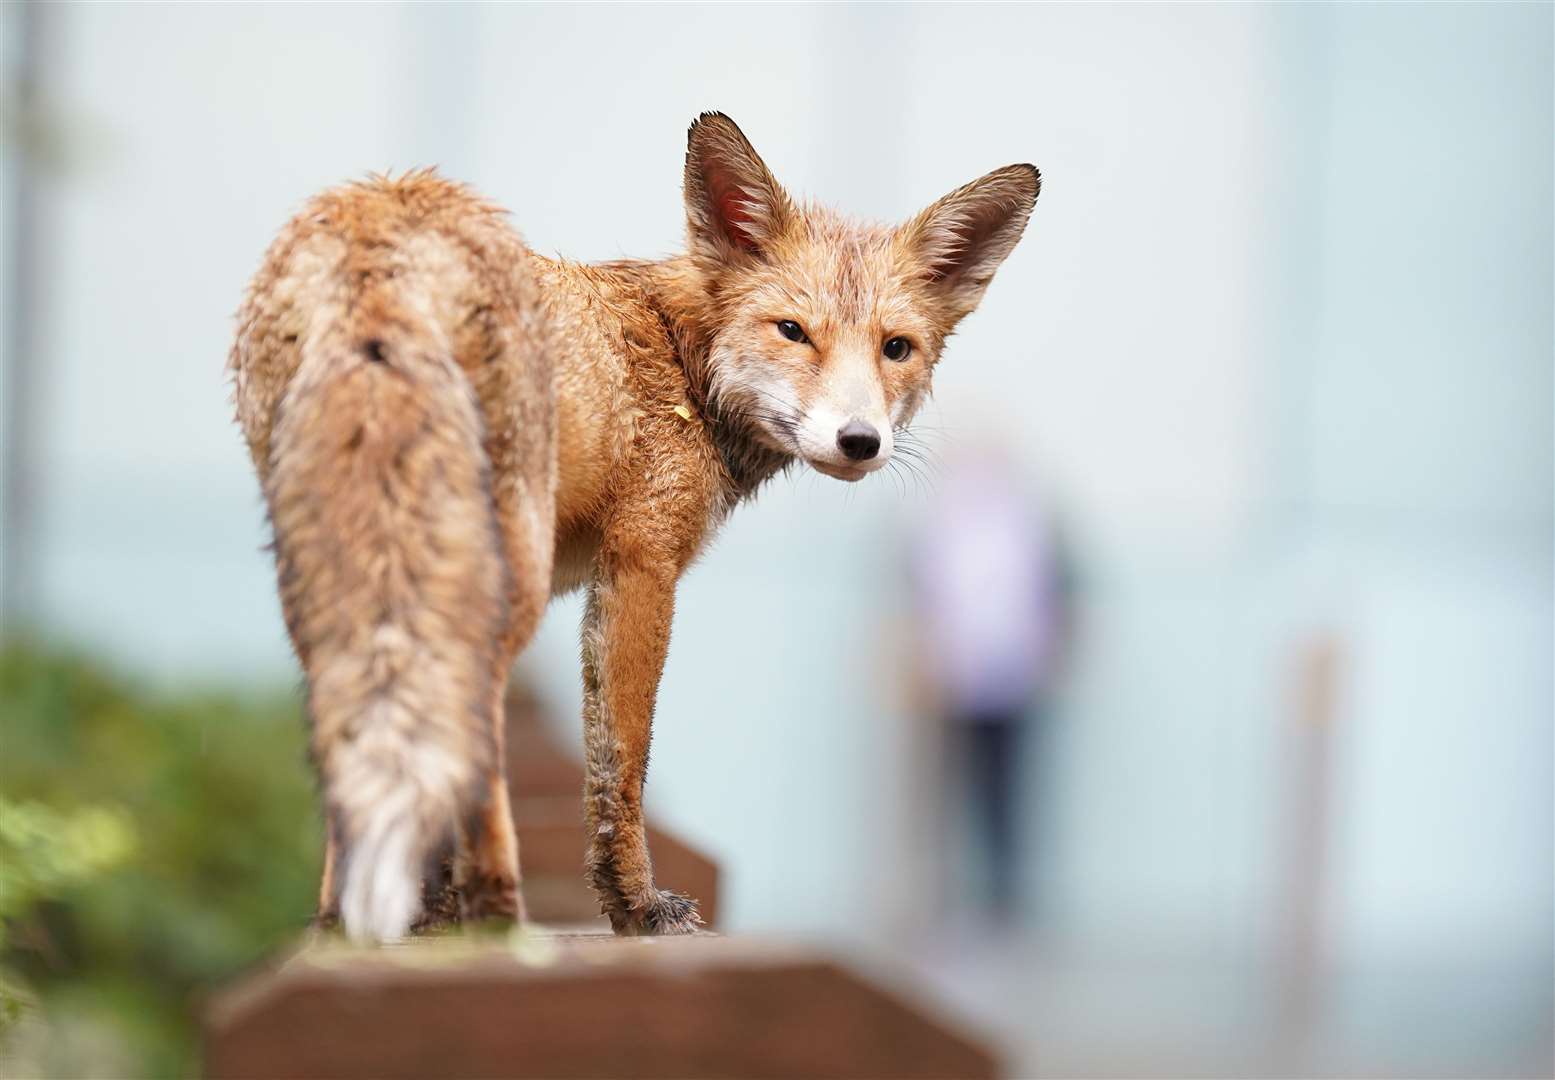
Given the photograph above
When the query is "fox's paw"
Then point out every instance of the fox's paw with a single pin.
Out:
(494, 900)
(659, 913)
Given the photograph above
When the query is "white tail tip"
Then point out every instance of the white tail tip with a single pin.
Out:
(381, 895)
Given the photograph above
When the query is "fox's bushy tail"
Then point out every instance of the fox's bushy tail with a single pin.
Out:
(392, 581)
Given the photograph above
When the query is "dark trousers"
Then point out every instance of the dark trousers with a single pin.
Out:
(991, 750)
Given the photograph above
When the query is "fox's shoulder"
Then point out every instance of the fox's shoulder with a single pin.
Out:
(593, 305)
(620, 362)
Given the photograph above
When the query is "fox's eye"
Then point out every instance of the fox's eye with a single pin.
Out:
(792, 330)
(897, 349)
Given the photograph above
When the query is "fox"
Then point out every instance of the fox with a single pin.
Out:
(450, 429)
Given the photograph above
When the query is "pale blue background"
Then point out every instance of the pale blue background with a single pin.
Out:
(1279, 335)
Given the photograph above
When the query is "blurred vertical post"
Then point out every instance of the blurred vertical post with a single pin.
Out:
(1309, 788)
(24, 31)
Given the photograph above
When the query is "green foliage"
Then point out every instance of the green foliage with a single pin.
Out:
(44, 851)
(151, 847)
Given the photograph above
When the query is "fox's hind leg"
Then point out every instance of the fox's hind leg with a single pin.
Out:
(328, 915)
(486, 874)
(489, 871)
(518, 401)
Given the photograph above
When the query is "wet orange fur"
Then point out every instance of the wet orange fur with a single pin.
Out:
(622, 410)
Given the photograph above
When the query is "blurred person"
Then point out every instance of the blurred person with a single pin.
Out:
(991, 586)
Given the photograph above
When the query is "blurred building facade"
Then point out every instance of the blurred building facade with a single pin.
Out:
(1280, 332)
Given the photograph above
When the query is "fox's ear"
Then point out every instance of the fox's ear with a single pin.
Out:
(734, 207)
(961, 239)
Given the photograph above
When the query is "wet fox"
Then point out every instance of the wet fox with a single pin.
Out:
(450, 429)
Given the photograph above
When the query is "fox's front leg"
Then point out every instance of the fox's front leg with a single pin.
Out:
(626, 628)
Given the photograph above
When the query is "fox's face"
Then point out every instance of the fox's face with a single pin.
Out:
(827, 331)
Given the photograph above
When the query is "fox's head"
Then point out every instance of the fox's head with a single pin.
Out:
(826, 331)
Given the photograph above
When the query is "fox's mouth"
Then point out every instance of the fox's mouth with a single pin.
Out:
(850, 473)
(784, 432)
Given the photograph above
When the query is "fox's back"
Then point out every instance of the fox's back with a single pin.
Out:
(417, 251)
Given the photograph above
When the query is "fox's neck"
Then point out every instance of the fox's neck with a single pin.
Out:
(677, 293)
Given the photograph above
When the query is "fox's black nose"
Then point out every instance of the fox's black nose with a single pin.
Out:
(858, 440)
